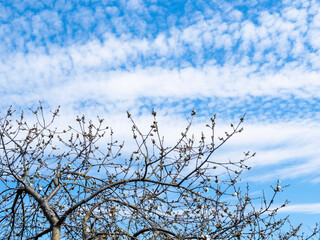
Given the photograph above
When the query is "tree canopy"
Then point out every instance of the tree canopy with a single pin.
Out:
(82, 183)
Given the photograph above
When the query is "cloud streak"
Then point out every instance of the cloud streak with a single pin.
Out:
(313, 208)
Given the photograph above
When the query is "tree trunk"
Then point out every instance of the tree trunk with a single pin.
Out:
(56, 233)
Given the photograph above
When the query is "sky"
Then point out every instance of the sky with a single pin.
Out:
(230, 57)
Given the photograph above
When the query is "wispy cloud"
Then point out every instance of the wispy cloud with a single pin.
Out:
(312, 208)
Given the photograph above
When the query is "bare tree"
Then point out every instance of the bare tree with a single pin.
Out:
(80, 183)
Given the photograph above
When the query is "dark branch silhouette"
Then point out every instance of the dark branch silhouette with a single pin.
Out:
(81, 183)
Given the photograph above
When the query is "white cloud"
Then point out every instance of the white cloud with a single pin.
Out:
(310, 208)
(314, 36)
(274, 33)
(316, 180)
(79, 74)
(136, 5)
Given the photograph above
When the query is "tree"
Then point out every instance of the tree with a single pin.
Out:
(80, 183)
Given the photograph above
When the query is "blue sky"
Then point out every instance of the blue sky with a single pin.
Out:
(225, 57)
